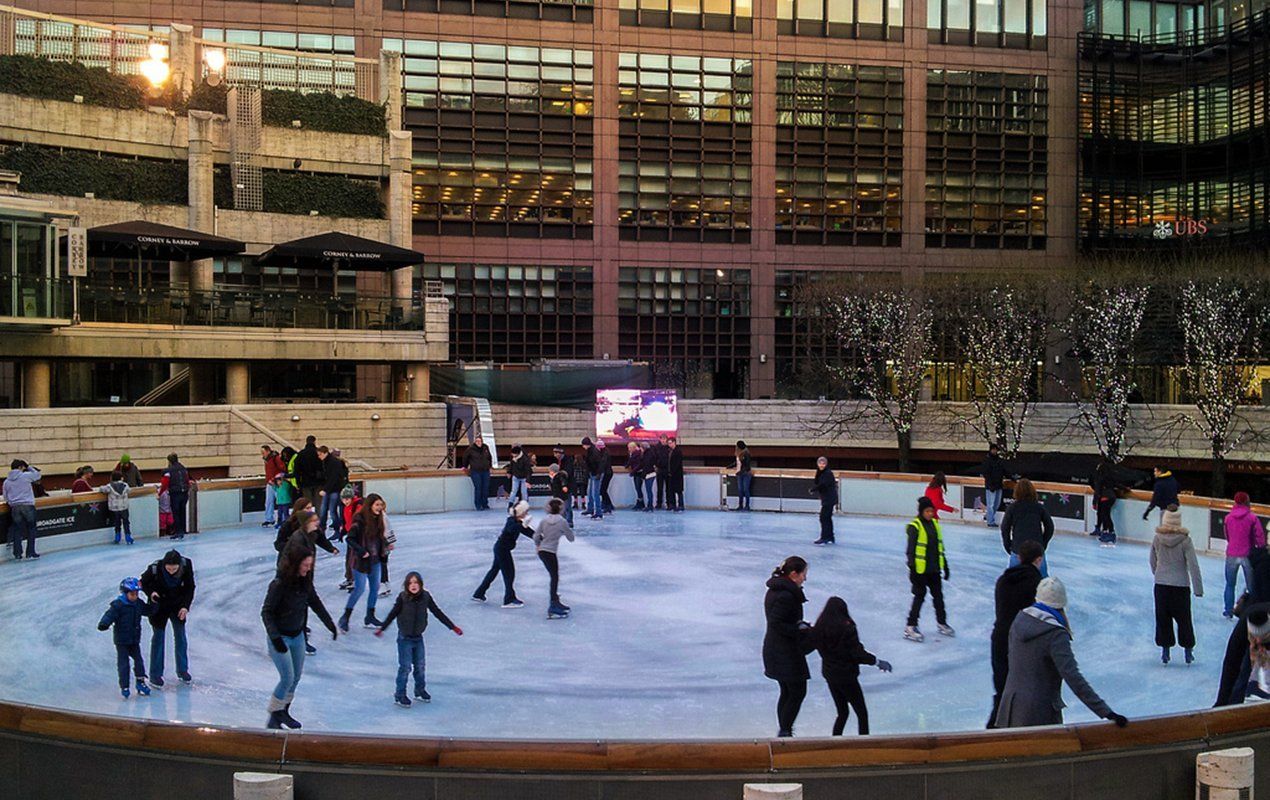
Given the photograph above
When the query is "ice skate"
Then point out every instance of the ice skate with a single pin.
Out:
(422, 694)
(346, 586)
(384, 592)
(371, 622)
(402, 700)
(946, 630)
(185, 677)
(1190, 656)
(913, 634)
(125, 692)
(275, 721)
(557, 611)
(514, 604)
(1164, 656)
(288, 721)
(142, 688)
(309, 650)
(476, 598)
(156, 683)
(348, 612)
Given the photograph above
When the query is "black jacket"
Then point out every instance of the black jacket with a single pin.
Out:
(411, 613)
(747, 463)
(1015, 591)
(661, 457)
(172, 598)
(1235, 659)
(841, 653)
(521, 467)
(359, 545)
(675, 463)
(308, 467)
(606, 462)
(560, 485)
(993, 470)
(126, 617)
(637, 463)
(592, 458)
(286, 608)
(478, 459)
(512, 531)
(289, 528)
(1026, 520)
(310, 541)
(334, 475)
(824, 485)
(788, 640)
(1164, 493)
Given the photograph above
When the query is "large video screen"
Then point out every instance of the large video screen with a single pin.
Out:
(626, 414)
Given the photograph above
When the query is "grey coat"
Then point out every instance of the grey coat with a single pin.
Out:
(1173, 562)
(547, 537)
(1040, 660)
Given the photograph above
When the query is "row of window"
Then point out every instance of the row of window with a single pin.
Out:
(1168, 22)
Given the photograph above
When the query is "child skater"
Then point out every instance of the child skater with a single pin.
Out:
(517, 525)
(841, 655)
(285, 614)
(117, 502)
(125, 614)
(547, 538)
(411, 612)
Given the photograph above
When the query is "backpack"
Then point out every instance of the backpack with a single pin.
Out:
(178, 478)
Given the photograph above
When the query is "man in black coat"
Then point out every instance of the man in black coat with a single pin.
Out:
(308, 472)
(1015, 591)
(675, 475)
(169, 585)
(993, 470)
(825, 487)
(662, 465)
(334, 478)
(1163, 492)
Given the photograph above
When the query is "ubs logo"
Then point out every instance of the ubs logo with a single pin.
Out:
(1182, 227)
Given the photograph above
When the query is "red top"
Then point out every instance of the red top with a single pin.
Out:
(936, 496)
(81, 485)
(274, 467)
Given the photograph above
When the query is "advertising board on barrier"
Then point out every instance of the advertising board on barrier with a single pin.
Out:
(1065, 505)
(1217, 523)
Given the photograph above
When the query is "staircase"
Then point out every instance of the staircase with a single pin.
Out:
(181, 380)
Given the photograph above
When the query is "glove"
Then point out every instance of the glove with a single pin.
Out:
(1119, 719)
(379, 632)
(458, 631)
(278, 645)
(885, 666)
(103, 627)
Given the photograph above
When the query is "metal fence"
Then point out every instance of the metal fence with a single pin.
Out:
(295, 70)
(117, 48)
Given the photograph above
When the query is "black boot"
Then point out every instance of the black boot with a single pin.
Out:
(348, 612)
(288, 720)
(275, 721)
(371, 621)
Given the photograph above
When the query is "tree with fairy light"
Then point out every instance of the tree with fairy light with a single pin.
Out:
(884, 331)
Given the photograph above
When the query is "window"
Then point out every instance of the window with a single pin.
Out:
(842, 19)
(714, 15)
(559, 10)
(989, 23)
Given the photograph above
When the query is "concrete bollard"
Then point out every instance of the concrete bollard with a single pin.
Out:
(1224, 774)
(773, 791)
(263, 786)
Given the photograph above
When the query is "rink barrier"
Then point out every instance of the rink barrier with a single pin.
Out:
(227, 502)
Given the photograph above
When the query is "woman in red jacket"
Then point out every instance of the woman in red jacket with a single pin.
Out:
(935, 491)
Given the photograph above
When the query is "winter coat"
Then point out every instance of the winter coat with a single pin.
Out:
(1026, 520)
(661, 457)
(478, 459)
(81, 485)
(177, 478)
(307, 467)
(350, 512)
(286, 608)
(1015, 591)
(126, 616)
(1173, 562)
(175, 592)
(936, 496)
(675, 463)
(547, 537)
(824, 485)
(1041, 659)
(592, 460)
(745, 463)
(309, 541)
(17, 487)
(1235, 658)
(274, 467)
(411, 613)
(993, 470)
(131, 474)
(787, 641)
(841, 653)
(521, 467)
(1243, 532)
(606, 462)
(117, 495)
(512, 531)
(367, 551)
(636, 463)
(334, 474)
(1164, 493)
(560, 485)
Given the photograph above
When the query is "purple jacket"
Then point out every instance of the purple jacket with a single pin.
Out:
(1243, 532)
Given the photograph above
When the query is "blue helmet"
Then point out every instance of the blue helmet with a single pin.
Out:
(129, 585)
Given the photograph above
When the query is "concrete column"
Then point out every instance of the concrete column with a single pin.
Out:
(237, 383)
(263, 786)
(37, 383)
(773, 791)
(400, 218)
(1226, 774)
(182, 58)
(390, 87)
(411, 383)
(202, 383)
(202, 213)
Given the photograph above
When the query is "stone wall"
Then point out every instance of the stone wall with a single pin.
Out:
(58, 440)
(1154, 431)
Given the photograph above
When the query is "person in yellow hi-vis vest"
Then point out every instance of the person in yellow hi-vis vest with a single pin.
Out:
(927, 569)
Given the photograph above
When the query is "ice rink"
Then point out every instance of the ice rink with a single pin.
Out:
(664, 640)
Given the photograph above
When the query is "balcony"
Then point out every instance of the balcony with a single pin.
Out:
(30, 302)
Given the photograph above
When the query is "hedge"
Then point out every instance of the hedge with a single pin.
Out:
(323, 111)
(329, 195)
(48, 170)
(62, 80)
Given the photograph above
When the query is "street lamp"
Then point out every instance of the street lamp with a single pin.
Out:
(214, 60)
(155, 68)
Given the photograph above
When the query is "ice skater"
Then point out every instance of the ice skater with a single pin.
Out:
(169, 583)
(1244, 534)
(935, 491)
(674, 475)
(547, 539)
(1163, 492)
(787, 640)
(286, 614)
(411, 613)
(838, 639)
(1026, 520)
(560, 482)
(825, 487)
(635, 467)
(593, 507)
(1015, 591)
(744, 467)
(606, 476)
(117, 504)
(368, 546)
(124, 614)
(519, 471)
(518, 524)
(1176, 571)
(927, 569)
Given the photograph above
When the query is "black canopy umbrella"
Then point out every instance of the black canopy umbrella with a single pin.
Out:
(151, 240)
(340, 250)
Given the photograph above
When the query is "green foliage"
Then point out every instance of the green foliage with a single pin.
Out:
(48, 170)
(62, 80)
(206, 97)
(329, 195)
(323, 111)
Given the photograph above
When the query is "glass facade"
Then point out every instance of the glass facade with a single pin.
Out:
(502, 138)
(839, 153)
(712, 15)
(986, 160)
(842, 19)
(685, 147)
(561, 10)
(516, 314)
(692, 325)
(987, 23)
(1175, 22)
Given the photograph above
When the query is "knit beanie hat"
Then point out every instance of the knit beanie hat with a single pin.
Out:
(1171, 522)
(586, 441)
(520, 509)
(348, 492)
(1052, 592)
(924, 503)
(1242, 499)
(125, 459)
(171, 557)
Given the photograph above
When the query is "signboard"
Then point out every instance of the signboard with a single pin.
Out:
(77, 252)
(55, 520)
(627, 414)
(1217, 523)
(501, 486)
(1065, 505)
(1181, 228)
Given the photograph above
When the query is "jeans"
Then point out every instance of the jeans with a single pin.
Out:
(332, 507)
(178, 500)
(410, 658)
(1233, 566)
(121, 520)
(991, 502)
(639, 490)
(480, 488)
(520, 490)
(568, 511)
(289, 665)
(1045, 567)
(122, 653)
(271, 502)
(594, 505)
(179, 643)
(552, 563)
(504, 563)
(789, 703)
(360, 581)
(22, 526)
(743, 482)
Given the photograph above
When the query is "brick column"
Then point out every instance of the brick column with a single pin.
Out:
(37, 380)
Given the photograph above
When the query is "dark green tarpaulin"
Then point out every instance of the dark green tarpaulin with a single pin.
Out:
(574, 388)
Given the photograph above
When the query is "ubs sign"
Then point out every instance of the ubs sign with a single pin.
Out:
(1180, 228)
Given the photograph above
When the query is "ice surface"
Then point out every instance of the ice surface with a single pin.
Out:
(664, 640)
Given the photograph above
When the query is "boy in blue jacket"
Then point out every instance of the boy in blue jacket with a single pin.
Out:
(125, 613)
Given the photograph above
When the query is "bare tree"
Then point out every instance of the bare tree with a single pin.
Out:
(885, 333)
